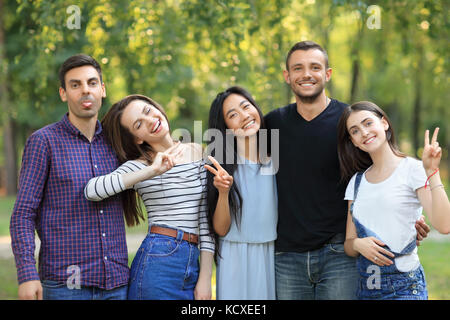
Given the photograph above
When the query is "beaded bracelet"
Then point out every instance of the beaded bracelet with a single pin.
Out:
(439, 185)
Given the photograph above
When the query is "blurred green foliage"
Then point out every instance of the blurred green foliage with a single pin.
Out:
(182, 53)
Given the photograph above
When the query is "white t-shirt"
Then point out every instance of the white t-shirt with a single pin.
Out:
(390, 208)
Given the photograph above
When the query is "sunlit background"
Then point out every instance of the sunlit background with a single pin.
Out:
(182, 53)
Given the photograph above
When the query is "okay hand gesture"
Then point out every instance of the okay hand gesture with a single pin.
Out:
(432, 153)
(222, 180)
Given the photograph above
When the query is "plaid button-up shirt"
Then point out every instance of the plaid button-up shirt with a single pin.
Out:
(79, 238)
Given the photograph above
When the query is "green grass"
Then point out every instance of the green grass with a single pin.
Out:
(434, 258)
(8, 285)
(433, 255)
(6, 207)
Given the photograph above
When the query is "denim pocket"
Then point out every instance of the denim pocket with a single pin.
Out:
(162, 246)
(337, 247)
(135, 265)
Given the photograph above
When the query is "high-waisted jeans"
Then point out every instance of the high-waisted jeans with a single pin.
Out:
(164, 268)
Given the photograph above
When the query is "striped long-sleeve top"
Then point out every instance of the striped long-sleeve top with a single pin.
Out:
(176, 199)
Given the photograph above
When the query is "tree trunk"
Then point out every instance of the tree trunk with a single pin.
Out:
(355, 64)
(417, 100)
(355, 77)
(326, 29)
(9, 145)
(10, 154)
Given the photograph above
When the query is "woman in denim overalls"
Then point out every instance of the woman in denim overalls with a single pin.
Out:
(386, 194)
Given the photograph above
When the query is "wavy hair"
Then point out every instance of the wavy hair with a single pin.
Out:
(125, 147)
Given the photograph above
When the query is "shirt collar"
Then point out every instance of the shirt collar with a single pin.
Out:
(74, 130)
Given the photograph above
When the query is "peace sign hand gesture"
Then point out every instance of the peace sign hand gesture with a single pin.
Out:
(222, 180)
(432, 153)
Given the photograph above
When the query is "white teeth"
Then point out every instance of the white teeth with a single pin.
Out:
(306, 84)
(157, 126)
(249, 124)
(369, 141)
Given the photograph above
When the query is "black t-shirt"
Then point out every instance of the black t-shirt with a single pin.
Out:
(311, 205)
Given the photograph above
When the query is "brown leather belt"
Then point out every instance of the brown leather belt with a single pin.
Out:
(189, 237)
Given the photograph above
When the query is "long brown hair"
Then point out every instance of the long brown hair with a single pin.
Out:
(124, 145)
(351, 158)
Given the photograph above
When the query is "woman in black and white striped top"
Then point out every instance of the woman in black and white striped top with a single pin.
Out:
(171, 180)
(175, 198)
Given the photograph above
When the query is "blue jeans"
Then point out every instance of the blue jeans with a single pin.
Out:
(53, 290)
(164, 268)
(323, 274)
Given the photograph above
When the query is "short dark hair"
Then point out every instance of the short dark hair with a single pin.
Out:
(76, 61)
(306, 45)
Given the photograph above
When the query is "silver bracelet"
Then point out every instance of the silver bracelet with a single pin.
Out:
(439, 185)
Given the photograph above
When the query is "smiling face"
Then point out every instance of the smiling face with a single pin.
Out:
(367, 131)
(145, 122)
(307, 74)
(241, 116)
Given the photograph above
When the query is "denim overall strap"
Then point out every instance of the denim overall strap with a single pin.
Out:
(355, 192)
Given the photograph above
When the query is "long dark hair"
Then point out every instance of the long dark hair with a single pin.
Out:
(125, 147)
(217, 121)
(351, 158)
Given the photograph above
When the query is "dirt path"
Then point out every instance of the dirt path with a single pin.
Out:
(134, 241)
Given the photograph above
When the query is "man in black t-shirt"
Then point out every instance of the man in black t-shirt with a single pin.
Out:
(310, 262)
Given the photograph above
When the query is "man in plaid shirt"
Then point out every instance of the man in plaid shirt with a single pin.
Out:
(83, 253)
